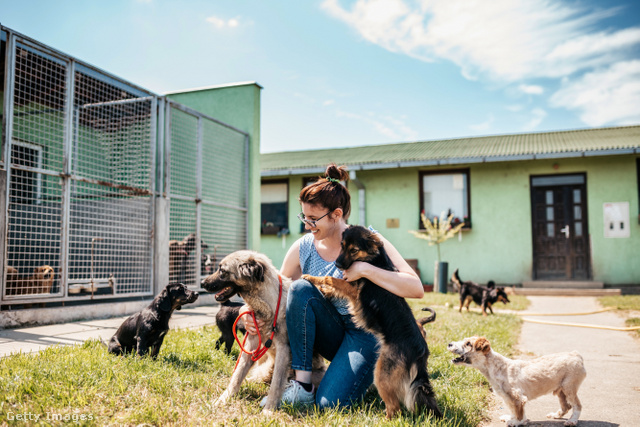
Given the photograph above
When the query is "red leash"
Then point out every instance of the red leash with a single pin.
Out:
(258, 352)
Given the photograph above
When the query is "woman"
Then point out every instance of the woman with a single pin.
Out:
(315, 322)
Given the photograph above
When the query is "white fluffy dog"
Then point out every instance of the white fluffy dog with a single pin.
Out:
(518, 381)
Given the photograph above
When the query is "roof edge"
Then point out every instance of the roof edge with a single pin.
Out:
(222, 86)
(451, 161)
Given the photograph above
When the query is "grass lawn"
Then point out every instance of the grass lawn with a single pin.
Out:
(629, 305)
(86, 384)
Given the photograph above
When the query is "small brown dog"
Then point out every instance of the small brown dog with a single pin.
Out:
(401, 370)
(179, 251)
(40, 282)
(518, 381)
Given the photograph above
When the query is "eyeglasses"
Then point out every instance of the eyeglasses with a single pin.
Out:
(311, 222)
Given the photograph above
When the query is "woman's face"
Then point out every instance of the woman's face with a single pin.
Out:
(320, 221)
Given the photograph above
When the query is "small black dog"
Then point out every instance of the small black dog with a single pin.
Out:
(400, 374)
(225, 318)
(144, 331)
(482, 296)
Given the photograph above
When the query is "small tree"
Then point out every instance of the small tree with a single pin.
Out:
(438, 231)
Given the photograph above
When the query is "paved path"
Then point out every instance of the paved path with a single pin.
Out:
(33, 339)
(610, 394)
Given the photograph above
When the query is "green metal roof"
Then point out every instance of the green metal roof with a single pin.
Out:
(499, 148)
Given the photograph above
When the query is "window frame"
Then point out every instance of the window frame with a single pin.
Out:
(274, 230)
(465, 171)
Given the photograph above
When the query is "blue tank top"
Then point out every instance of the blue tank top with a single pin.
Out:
(312, 263)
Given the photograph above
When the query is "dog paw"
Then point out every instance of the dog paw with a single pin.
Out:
(222, 400)
(571, 423)
(554, 415)
(268, 412)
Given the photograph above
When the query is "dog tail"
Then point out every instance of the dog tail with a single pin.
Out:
(424, 320)
(421, 396)
(456, 281)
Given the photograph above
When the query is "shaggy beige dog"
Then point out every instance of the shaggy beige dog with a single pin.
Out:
(252, 276)
(518, 381)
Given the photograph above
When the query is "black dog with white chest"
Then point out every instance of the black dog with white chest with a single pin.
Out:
(144, 331)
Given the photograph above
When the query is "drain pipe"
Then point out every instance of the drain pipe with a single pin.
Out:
(362, 220)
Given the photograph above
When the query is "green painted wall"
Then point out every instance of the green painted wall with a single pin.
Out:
(499, 246)
(239, 106)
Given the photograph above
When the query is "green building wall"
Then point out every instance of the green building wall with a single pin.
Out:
(237, 105)
(499, 246)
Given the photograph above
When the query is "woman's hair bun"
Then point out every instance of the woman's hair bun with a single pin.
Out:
(337, 172)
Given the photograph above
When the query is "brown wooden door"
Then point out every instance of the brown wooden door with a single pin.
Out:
(560, 238)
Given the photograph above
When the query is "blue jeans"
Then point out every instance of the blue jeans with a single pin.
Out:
(313, 322)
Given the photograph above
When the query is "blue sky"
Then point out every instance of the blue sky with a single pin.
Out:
(340, 73)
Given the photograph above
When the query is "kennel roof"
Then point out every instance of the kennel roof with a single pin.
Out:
(497, 148)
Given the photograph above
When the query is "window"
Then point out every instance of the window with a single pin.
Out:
(274, 212)
(448, 192)
(26, 186)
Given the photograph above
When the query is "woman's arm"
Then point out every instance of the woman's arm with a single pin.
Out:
(291, 264)
(405, 282)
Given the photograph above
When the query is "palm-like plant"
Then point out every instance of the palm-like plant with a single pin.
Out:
(438, 231)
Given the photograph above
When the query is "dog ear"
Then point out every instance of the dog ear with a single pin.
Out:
(482, 344)
(252, 269)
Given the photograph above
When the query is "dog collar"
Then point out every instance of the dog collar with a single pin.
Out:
(260, 350)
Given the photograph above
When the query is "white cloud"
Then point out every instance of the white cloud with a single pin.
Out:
(537, 116)
(609, 96)
(390, 127)
(531, 89)
(484, 126)
(511, 41)
(504, 39)
(328, 102)
(221, 23)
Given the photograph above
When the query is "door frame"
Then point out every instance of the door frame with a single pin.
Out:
(560, 180)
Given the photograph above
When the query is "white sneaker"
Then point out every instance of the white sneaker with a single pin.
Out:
(295, 394)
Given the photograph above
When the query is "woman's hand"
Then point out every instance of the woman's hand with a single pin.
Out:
(248, 321)
(356, 271)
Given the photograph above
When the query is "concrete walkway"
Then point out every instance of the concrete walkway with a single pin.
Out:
(610, 394)
(34, 339)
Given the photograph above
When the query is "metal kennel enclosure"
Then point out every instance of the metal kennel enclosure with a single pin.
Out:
(99, 177)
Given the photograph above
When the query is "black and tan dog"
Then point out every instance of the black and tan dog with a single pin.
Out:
(401, 370)
(225, 318)
(144, 331)
(483, 296)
